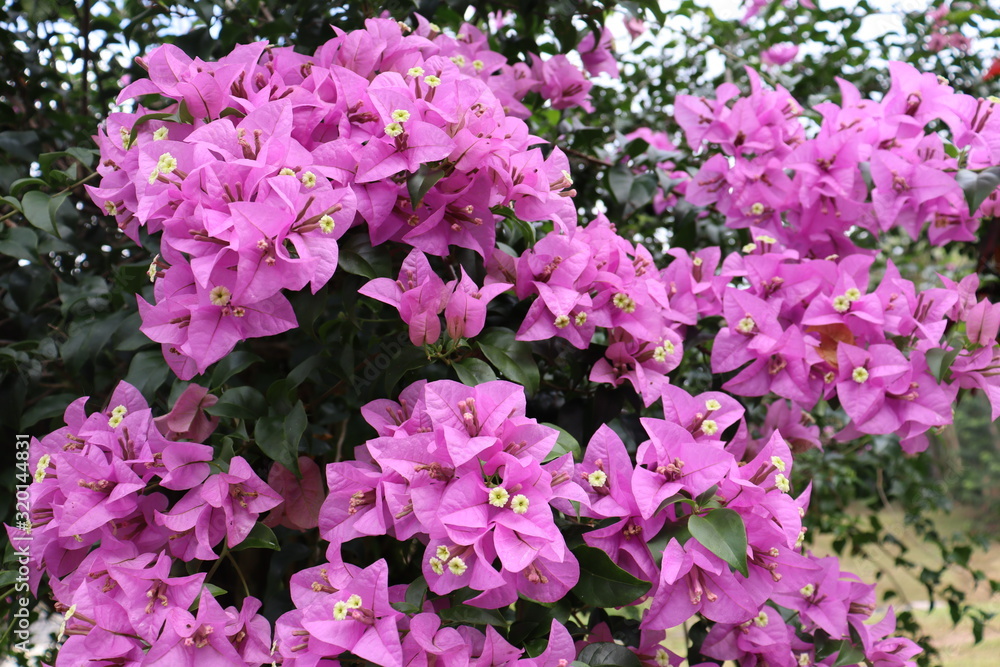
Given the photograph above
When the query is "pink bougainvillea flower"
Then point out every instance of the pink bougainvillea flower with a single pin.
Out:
(187, 420)
(189, 639)
(419, 294)
(779, 54)
(359, 618)
(465, 313)
(597, 53)
(301, 497)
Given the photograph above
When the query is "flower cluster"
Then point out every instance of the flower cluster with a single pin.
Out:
(812, 329)
(462, 469)
(801, 328)
(871, 166)
(269, 156)
(684, 462)
(106, 529)
(592, 277)
(465, 473)
(944, 35)
(420, 296)
(346, 608)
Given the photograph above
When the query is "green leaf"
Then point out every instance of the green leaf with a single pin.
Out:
(55, 204)
(278, 436)
(20, 242)
(608, 653)
(301, 373)
(848, 654)
(132, 279)
(184, 114)
(404, 361)
(511, 357)
(13, 202)
(142, 120)
(620, 179)
(416, 592)
(635, 148)
(230, 365)
(473, 371)
(722, 532)
(466, 615)
(978, 185)
(706, 496)
(216, 591)
(88, 341)
(939, 362)
(22, 145)
(36, 207)
(405, 607)
(565, 443)
(420, 182)
(358, 257)
(22, 183)
(260, 537)
(86, 156)
(604, 584)
(354, 263)
(147, 372)
(46, 408)
(516, 225)
(46, 160)
(631, 190)
(239, 403)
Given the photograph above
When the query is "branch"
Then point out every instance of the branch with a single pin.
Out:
(585, 156)
(68, 188)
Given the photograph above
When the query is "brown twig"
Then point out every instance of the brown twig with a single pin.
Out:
(589, 158)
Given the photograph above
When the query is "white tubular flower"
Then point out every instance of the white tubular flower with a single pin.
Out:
(519, 503)
(498, 496)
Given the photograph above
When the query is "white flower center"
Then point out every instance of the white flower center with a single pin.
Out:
(220, 295)
(597, 479)
(498, 496)
(746, 325)
(781, 482)
(457, 566)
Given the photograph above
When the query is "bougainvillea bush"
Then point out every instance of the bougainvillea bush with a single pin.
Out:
(551, 440)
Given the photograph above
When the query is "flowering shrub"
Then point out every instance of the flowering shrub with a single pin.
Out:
(465, 531)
